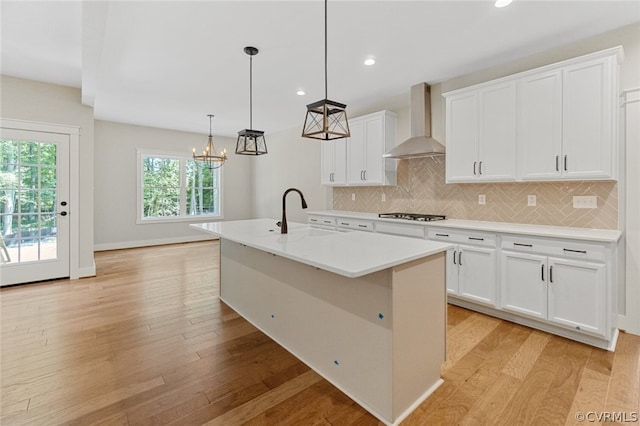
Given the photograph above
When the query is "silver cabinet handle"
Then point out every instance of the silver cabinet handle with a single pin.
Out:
(557, 163)
(454, 257)
(480, 168)
(460, 258)
(365, 175)
(474, 167)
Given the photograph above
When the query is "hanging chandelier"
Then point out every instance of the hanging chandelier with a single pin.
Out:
(251, 142)
(326, 119)
(209, 158)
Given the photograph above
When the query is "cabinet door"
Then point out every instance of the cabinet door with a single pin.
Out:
(540, 126)
(524, 284)
(462, 137)
(451, 270)
(577, 295)
(497, 127)
(477, 274)
(327, 155)
(587, 137)
(355, 147)
(373, 150)
(334, 162)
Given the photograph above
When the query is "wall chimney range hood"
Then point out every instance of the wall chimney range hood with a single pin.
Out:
(420, 144)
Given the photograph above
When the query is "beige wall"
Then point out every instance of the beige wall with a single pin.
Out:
(292, 161)
(116, 184)
(49, 103)
(424, 189)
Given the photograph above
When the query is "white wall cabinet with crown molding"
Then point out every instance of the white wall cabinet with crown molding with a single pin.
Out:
(357, 160)
(481, 134)
(561, 124)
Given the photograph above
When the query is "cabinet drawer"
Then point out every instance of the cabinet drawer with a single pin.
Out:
(399, 229)
(360, 225)
(475, 238)
(570, 249)
(322, 220)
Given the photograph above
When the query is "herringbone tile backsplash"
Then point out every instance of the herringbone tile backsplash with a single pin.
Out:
(421, 189)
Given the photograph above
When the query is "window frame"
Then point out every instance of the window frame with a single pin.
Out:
(183, 217)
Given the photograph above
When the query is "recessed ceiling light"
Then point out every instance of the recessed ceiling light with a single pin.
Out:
(502, 3)
(301, 93)
(369, 61)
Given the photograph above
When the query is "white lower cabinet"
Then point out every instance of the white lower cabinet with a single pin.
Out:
(562, 285)
(577, 295)
(566, 292)
(471, 269)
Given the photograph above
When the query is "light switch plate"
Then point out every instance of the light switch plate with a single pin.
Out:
(531, 200)
(585, 202)
(482, 199)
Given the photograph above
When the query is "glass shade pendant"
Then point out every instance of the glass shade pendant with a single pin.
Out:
(326, 119)
(209, 158)
(251, 142)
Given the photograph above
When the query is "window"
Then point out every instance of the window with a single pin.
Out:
(174, 187)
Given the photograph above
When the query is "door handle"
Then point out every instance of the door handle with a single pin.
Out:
(550, 274)
(460, 258)
(565, 163)
(454, 257)
(480, 168)
(557, 163)
(542, 271)
(62, 213)
(365, 175)
(474, 167)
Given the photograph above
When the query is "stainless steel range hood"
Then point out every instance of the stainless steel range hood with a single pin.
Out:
(420, 144)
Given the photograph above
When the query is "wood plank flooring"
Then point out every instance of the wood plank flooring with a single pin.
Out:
(147, 342)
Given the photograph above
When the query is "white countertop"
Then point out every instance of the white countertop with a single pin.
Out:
(352, 254)
(585, 234)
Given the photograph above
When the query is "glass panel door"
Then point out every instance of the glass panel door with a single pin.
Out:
(34, 206)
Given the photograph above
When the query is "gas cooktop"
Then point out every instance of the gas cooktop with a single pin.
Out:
(412, 216)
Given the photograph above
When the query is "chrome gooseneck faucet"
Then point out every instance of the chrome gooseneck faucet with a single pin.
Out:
(283, 224)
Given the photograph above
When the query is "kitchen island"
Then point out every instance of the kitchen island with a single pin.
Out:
(366, 311)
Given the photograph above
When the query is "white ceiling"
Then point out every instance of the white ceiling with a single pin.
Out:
(167, 64)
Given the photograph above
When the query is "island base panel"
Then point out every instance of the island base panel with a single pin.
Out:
(348, 329)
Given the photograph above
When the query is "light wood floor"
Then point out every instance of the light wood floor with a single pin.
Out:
(148, 342)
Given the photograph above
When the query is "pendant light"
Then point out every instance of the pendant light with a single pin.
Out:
(326, 119)
(209, 158)
(251, 142)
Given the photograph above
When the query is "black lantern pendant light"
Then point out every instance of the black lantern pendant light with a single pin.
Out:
(251, 142)
(326, 119)
(209, 158)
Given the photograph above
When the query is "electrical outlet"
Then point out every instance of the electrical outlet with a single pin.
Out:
(585, 202)
(353, 197)
(531, 200)
(482, 199)
(383, 198)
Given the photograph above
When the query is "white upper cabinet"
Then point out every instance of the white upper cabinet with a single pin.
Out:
(371, 136)
(588, 130)
(540, 125)
(334, 162)
(481, 135)
(553, 123)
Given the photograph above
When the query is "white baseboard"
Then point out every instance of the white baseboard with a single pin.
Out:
(87, 271)
(154, 242)
(627, 324)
